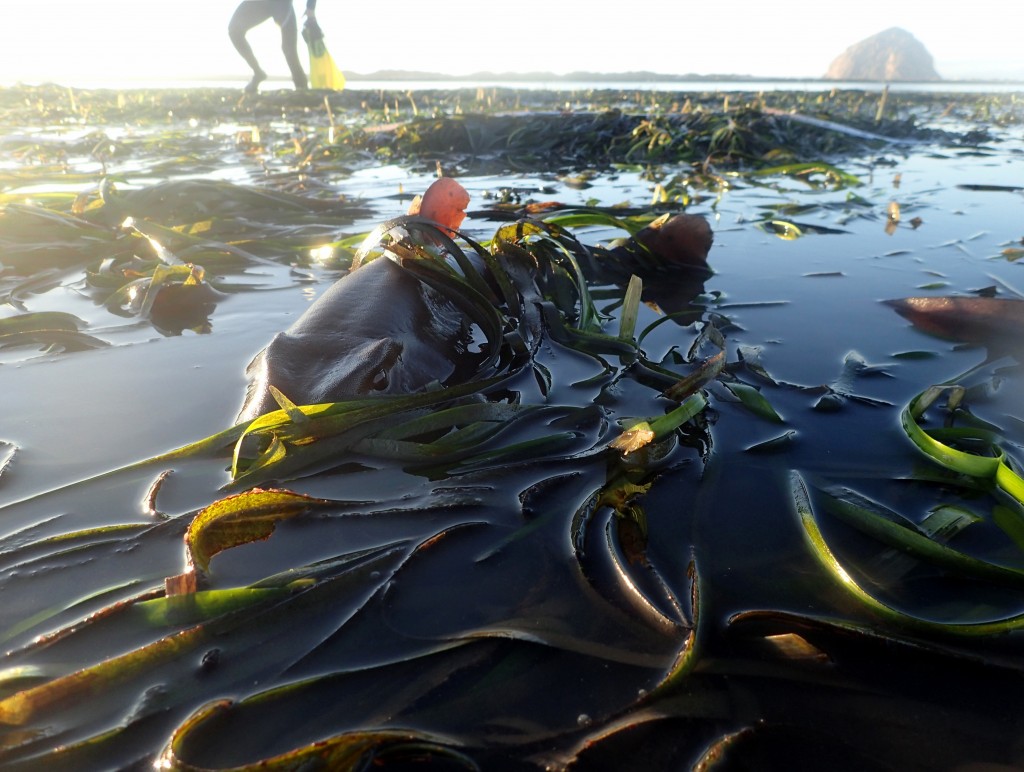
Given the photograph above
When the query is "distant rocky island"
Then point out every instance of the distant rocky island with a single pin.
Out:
(891, 55)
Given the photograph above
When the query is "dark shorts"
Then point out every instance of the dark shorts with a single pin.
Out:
(280, 10)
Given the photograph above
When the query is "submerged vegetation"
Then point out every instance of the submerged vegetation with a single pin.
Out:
(624, 540)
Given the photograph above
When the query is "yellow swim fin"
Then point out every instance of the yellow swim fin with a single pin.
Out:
(323, 72)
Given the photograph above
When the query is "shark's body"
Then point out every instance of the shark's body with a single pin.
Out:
(376, 330)
(380, 329)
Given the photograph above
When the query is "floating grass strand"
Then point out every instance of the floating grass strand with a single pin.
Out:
(753, 400)
(939, 446)
(241, 519)
(895, 531)
(701, 377)
(348, 751)
(834, 567)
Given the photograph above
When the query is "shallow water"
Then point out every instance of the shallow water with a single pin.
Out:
(486, 633)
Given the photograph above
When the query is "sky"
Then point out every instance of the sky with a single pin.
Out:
(151, 42)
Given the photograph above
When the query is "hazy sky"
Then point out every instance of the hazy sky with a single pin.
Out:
(74, 42)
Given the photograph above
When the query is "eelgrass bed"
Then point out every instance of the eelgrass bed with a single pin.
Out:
(714, 518)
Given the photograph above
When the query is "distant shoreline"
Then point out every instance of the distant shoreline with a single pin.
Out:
(572, 78)
(626, 77)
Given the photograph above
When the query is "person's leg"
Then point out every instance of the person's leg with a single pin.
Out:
(249, 14)
(290, 44)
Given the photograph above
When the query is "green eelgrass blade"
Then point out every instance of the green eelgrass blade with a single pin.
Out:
(241, 519)
(346, 751)
(630, 308)
(993, 467)
(895, 531)
(689, 651)
(707, 372)
(823, 553)
(41, 320)
(578, 218)
(806, 169)
(192, 608)
(24, 706)
(37, 619)
(753, 400)
(647, 431)
(333, 427)
(459, 415)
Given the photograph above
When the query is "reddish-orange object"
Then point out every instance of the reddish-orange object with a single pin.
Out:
(444, 202)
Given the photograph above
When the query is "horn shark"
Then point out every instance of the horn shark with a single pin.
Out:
(379, 329)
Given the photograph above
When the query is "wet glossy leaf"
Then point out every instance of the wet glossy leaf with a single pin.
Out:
(810, 171)
(689, 650)
(349, 751)
(630, 308)
(990, 187)
(784, 230)
(834, 567)
(916, 355)
(1011, 521)
(751, 358)
(194, 607)
(645, 432)
(672, 420)
(753, 400)
(939, 445)
(575, 218)
(41, 321)
(52, 340)
(896, 531)
(26, 705)
(946, 521)
(707, 372)
(115, 598)
(241, 519)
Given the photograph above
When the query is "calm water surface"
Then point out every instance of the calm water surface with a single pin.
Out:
(804, 304)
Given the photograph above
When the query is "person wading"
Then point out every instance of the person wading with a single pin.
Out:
(252, 13)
